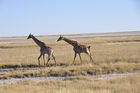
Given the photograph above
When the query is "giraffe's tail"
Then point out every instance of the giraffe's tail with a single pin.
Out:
(89, 47)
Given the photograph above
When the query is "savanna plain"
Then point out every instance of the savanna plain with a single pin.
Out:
(111, 55)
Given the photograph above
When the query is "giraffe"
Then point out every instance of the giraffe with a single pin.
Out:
(44, 49)
(78, 48)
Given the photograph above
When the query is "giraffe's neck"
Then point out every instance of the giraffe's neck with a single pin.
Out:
(71, 42)
(38, 42)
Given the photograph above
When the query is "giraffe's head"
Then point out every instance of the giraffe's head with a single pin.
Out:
(30, 36)
(60, 38)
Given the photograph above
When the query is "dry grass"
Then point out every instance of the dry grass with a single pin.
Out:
(110, 54)
(79, 84)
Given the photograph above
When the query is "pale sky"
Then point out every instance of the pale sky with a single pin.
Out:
(51, 17)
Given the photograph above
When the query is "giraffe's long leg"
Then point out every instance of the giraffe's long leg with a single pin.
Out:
(91, 58)
(89, 54)
(53, 58)
(48, 58)
(44, 58)
(39, 59)
(74, 57)
(80, 58)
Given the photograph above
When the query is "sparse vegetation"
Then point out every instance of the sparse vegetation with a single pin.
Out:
(78, 84)
(112, 55)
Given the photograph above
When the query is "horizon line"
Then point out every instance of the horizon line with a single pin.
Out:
(71, 34)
